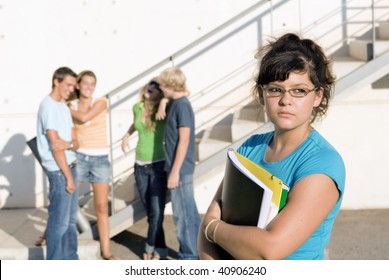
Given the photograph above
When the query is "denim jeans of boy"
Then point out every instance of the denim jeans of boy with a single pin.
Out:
(61, 231)
(186, 218)
(150, 181)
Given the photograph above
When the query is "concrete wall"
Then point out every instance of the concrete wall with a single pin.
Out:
(115, 39)
(118, 39)
(359, 128)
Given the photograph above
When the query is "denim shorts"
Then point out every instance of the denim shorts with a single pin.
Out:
(93, 169)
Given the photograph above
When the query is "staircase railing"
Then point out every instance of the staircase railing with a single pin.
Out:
(354, 23)
(127, 92)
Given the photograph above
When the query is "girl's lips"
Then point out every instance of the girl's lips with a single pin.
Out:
(285, 113)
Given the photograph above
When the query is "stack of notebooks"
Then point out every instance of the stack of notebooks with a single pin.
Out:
(251, 195)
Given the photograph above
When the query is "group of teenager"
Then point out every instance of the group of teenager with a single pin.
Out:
(73, 145)
(165, 161)
(294, 83)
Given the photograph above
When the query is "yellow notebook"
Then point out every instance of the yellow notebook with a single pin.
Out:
(251, 195)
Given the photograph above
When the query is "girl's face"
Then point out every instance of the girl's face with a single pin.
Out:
(152, 93)
(87, 86)
(287, 112)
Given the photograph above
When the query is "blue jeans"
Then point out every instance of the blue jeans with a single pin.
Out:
(151, 184)
(186, 218)
(61, 231)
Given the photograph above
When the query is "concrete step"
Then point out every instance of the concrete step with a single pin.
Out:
(87, 250)
(246, 120)
(210, 145)
(363, 49)
(345, 65)
(215, 138)
(218, 103)
(383, 30)
(20, 228)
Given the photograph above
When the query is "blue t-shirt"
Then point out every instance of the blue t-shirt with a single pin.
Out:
(53, 115)
(180, 114)
(314, 156)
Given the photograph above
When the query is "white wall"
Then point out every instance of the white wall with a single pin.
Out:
(359, 128)
(118, 39)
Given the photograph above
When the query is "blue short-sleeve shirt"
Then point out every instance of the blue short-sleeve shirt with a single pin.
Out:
(53, 115)
(314, 156)
(180, 114)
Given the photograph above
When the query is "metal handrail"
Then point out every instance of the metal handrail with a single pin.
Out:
(171, 58)
(373, 6)
(373, 27)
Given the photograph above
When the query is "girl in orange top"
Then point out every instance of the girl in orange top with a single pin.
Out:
(93, 166)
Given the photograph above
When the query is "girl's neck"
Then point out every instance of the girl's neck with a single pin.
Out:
(149, 104)
(285, 142)
(85, 101)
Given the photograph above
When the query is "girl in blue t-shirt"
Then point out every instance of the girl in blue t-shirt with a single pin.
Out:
(294, 84)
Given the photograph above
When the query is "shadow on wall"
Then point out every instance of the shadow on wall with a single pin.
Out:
(382, 83)
(18, 170)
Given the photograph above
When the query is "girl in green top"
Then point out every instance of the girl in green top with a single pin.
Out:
(150, 177)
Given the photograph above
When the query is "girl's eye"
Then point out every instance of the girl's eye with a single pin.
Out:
(274, 89)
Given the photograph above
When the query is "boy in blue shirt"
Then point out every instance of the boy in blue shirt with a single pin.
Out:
(56, 142)
(180, 160)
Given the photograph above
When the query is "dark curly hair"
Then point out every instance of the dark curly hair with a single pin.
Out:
(292, 54)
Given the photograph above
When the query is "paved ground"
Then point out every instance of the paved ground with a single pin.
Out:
(357, 235)
(361, 235)
(130, 243)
